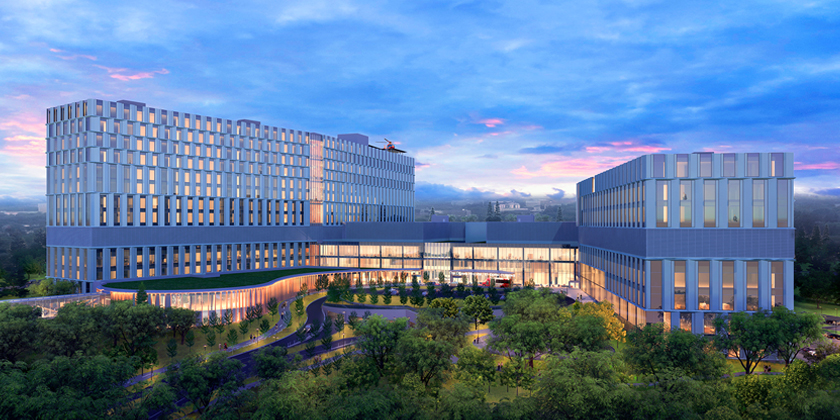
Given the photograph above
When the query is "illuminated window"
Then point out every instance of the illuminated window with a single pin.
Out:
(777, 283)
(703, 275)
(661, 203)
(734, 203)
(686, 193)
(679, 285)
(728, 285)
(656, 284)
(682, 166)
(752, 285)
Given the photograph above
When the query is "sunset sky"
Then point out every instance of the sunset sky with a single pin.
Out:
(492, 98)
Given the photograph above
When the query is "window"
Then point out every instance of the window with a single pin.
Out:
(752, 164)
(705, 165)
(679, 285)
(703, 273)
(782, 202)
(682, 166)
(758, 203)
(752, 285)
(709, 193)
(734, 204)
(777, 164)
(777, 283)
(686, 188)
(661, 203)
(709, 323)
(728, 285)
(658, 166)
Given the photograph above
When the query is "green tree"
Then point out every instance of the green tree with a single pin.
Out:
(446, 290)
(449, 306)
(180, 321)
(211, 338)
(272, 306)
(604, 311)
(374, 295)
(216, 322)
(338, 324)
(377, 338)
(749, 337)
(494, 295)
(417, 298)
(310, 349)
(172, 348)
(264, 327)
(190, 339)
(134, 327)
(461, 288)
(326, 341)
(430, 293)
(232, 336)
(200, 382)
(559, 217)
(651, 351)
(517, 373)
(300, 333)
(75, 328)
(797, 330)
(476, 366)
(387, 297)
(478, 308)
(141, 297)
(18, 329)
(272, 362)
(361, 295)
(244, 327)
(403, 292)
(322, 282)
(425, 357)
(441, 277)
(228, 317)
(299, 307)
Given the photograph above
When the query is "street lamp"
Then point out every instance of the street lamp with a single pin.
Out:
(345, 320)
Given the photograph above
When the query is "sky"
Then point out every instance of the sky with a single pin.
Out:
(492, 98)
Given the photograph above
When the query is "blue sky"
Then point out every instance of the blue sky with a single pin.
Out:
(519, 98)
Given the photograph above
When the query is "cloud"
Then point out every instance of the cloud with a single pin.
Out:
(116, 73)
(550, 149)
(633, 146)
(520, 194)
(835, 192)
(439, 192)
(573, 167)
(420, 165)
(489, 156)
(558, 195)
(799, 166)
(491, 122)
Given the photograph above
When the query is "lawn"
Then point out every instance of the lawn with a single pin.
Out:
(221, 282)
(809, 306)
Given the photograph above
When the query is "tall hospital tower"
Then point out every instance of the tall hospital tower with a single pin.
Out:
(136, 192)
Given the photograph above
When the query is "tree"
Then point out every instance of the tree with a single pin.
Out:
(75, 328)
(228, 317)
(796, 330)
(478, 308)
(190, 339)
(361, 295)
(449, 306)
(386, 295)
(310, 349)
(446, 290)
(377, 338)
(430, 292)
(233, 337)
(304, 290)
(201, 382)
(374, 295)
(272, 307)
(559, 213)
(299, 306)
(264, 327)
(476, 366)
(461, 288)
(244, 327)
(272, 362)
(300, 333)
(180, 320)
(603, 310)
(749, 337)
(326, 341)
(654, 352)
(18, 329)
(142, 297)
(417, 298)
(211, 338)
(134, 327)
(424, 356)
(172, 348)
(322, 282)
(494, 295)
(441, 277)
(581, 385)
(517, 372)
(339, 323)
(215, 322)
(403, 292)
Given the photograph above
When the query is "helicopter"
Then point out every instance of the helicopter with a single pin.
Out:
(389, 147)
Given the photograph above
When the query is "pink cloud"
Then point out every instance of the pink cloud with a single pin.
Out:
(823, 165)
(491, 122)
(578, 167)
(116, 73)
(420, 165)
(626, 146)
(56, 50)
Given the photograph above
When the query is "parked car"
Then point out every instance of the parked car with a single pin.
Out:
(833, 335)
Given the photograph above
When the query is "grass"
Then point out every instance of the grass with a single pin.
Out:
(735, 366)
(809, 306)
(223, 281)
